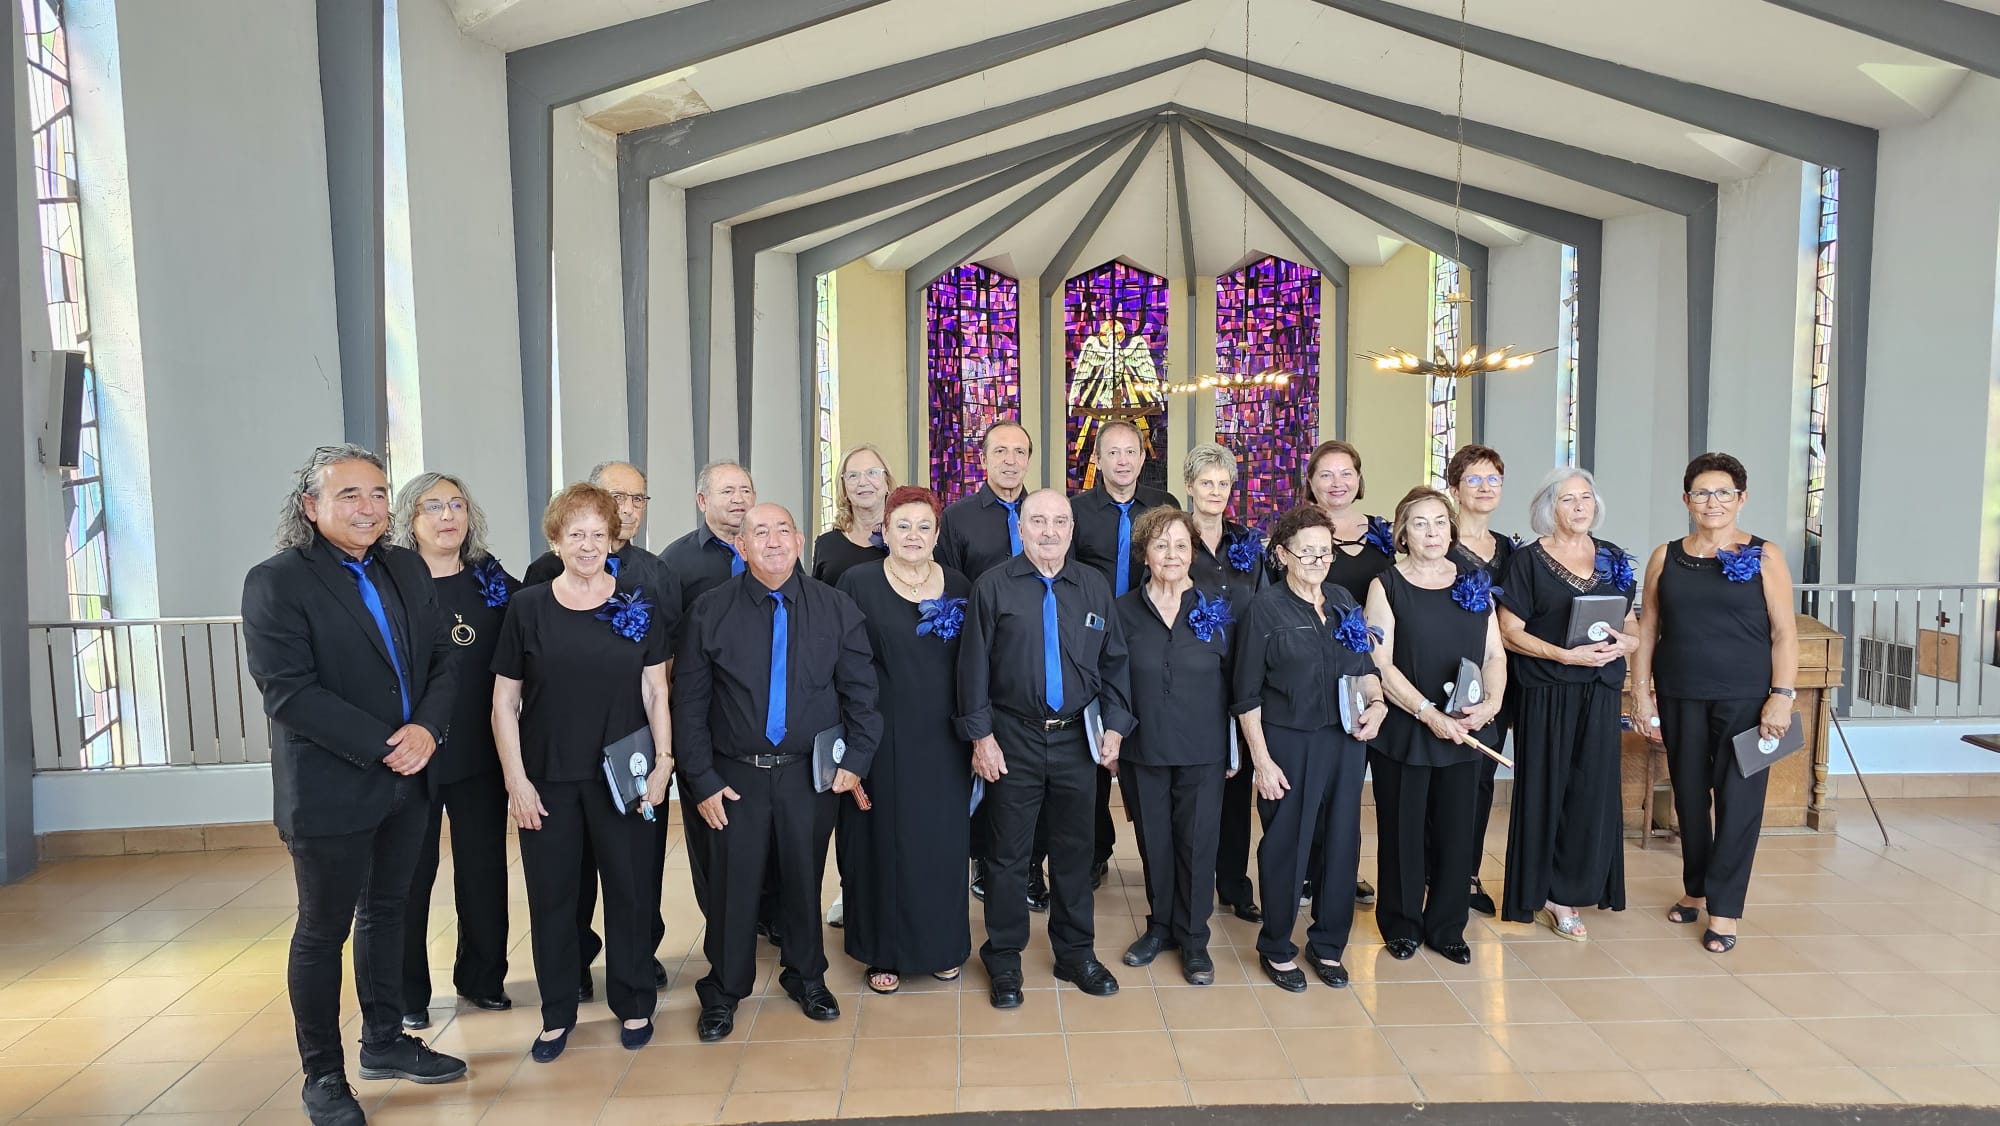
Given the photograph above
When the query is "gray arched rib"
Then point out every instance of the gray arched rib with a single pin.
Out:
(1323, 257)
(1955, 33)
(1187, 216)
(1093, 217)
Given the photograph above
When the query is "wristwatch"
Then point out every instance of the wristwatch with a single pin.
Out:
(1787, 693)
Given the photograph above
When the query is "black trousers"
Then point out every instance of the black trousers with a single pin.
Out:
(581, 815)
(778, 815)
(1232, 847)
(478, 809)
(588, 944)
(1325, 769)
(1106, 829)
(982, 836)
(1423, 826)
(358, 881)
(1482, 805)
(1049, 774)
(1715, 854)
(1176, 811)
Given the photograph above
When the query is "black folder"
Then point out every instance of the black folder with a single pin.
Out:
(1754, 753)
(627, 762)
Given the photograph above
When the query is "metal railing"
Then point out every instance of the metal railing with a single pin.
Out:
(118, 693)
(1914, 651)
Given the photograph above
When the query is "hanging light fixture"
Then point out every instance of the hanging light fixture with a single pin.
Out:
(1460, 360)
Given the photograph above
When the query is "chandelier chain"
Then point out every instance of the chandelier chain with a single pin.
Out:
(1458, 177)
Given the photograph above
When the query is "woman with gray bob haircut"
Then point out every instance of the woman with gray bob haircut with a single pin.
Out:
(435, 516)
(1542, 509)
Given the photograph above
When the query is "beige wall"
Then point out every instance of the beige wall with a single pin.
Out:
(869, 340)
(1389, 307)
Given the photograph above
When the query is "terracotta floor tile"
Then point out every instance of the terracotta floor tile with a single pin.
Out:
(908, 1014)
(230, 1084)
(1363, 1089)
(661, 1110)
(508, 1112)
(1315, 1008)
(166, 1039)
(1711, 998)
(95, 960)
(1000, 1061)
(1220, 1006)
(1559, 959)
(579, 1073)
(68, 1040)
(151, 926)
(1044, 1097)
(681, 1069)
(1849, 1085)
(1123, 1057)
(886, 1064)
(1245, 1092)
(1594, 1086)
(1238, 1054)
(1777, 1044)
(1663, 1045)
(899, 1102)
(1450, 1088)
(183, 959)
(1720, 1085)
(1339, 1053)
(1412, 1003)
(27, 999)
(1976, 1039)
(1128, 1010)
(1950, 1085)
(1511, 1002)
(1457, 1051)
(128, 1090)
(793, 1065)
(1556, 1047)
(1813, 995)
(229, 993)
(1105, 1095)
(1040, 1015)
(779, 1018)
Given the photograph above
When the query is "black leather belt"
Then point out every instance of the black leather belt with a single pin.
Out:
(768, 762)
(1056, 723)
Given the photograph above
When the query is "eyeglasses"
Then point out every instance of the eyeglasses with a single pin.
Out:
(437, 507)
(638, 500)
(873, 473)
(1473, 481)
(1310, 556)
(1726, 496)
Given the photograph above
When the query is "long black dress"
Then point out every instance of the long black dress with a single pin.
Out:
(903, 861)
(834, 553)
(1566, 834)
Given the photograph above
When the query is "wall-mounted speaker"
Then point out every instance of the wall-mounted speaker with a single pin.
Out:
(60, 416)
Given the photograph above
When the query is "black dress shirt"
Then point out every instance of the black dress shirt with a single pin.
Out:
(1180, 683)
(722, 677)
(1289, 663)
(699, 563)
(972, 539)
(1000, 654)
(1218, 570)
(1096, 538)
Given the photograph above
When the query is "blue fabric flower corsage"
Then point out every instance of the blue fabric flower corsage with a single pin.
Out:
(1209, 616)
(875, 540)
(941, 617)
(629, 615)
(1247, 552)
(492, 582)
(1355, 632)
(1741, 566)
(1381, 535)
(1475, 591)
(1614, 567)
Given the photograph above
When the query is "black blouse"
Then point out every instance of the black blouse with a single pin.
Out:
(1180, 683)
(834, 553)
(1714, 633)
(1539, 591)
(1371, 555)
(1236, 570)
(476, 601)
(580, 680)
(1433, 633)
(1503, 550)
(1288, 662)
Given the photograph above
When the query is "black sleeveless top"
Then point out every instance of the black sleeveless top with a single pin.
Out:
(1714, 632)
(1356, 571)
(1433, 632)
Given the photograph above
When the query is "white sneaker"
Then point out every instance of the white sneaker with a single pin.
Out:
(836, 915)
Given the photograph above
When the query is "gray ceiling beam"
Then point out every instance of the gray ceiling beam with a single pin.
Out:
(1093, 217)
(663, 149)
(1955, 33)
(594, 62)
(1329, 264)
(1411, 227)
(1669, 191)
(1187, 217)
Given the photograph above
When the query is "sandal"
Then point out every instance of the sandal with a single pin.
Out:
(1683, 913)
(1717, 943)
(877, 975)
(947, 975)
(1569, 926)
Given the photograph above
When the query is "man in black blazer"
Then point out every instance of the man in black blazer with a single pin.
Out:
(348, 645)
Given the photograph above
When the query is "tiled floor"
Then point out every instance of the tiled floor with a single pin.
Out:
(152, 986)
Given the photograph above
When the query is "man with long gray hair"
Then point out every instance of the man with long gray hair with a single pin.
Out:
(346, 641)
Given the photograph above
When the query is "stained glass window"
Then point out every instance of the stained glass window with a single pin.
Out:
(826, 387)
(1442, 398)
(1825, 271)
(86, 549)
(1568, 343)
(972, 332)
(1115, 345)
(1267, 319)
(405, 446)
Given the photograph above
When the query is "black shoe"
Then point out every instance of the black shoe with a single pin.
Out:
(1334, 975)
(1456, 952)
(545, 1051)
(417, 1020)
(1197, 967)
(1482, 903)
(768, 930)
(1097, 873)
(1005, 991)
(1146, 947)
(1090, 976)
(659, 976)
(715, 1023)
(1247, 911)
(817, 1003)
(633, 1039)
(587, 992)
(1291, 981)
(329, 1101)
(1038, 890)
(979, 879)
(1402, 949)
(497, 1003)
(412, 1059)
(1364, 893)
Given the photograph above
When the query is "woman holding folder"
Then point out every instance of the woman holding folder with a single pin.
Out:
(1566, 835)
(1718, 656)
(1444, 672)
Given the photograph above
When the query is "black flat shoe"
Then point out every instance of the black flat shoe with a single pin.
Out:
(978, 885)
(1291, 981)
(1683, 914)
(1197, 967)
(1364, 893)
(633, 1039)
(1145, 948)
(1098, 871)
(587, 992)
(418, 1020)
(715, 1023)
(329, 1101)
(1334, 975)
(818, 1003)
(1402, 949)
(497, 1003)
(1482, 902)
(1710, 940)
(659, 976)
(1090, 976)
(1005, 990)
(1247, 911)
(1455, 952)
(1038, 891)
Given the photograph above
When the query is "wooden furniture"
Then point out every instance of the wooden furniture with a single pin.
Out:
(1987, 742)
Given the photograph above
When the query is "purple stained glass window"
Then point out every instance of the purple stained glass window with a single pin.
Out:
(972, 326)
(1115, 346)
(1267, 319)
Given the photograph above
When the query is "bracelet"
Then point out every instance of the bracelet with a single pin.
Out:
(1421, 708)
(1788, 693)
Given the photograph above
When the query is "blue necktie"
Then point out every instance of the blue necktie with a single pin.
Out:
(774, 720)
(373, 599)
(611, 565)
(1124, 546)
(736, 566)
(1051, 649)
(1013, 525)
